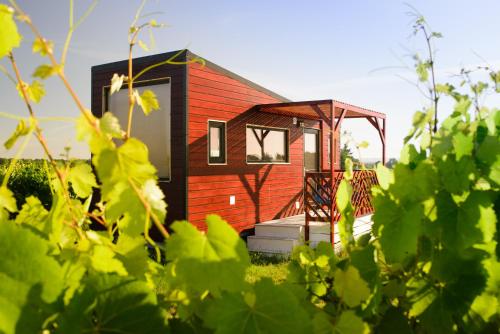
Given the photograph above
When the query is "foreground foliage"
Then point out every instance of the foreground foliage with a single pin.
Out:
(431, 266)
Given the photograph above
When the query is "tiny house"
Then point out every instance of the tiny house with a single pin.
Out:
(223, 144)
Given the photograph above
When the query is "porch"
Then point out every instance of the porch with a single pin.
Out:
(280, 236)
(321, 182)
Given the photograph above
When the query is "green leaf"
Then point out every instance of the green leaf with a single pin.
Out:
(147, 101)
(394, 321)
(112, 304)
(7, 199)
(133, 254)
(384, 176)
(220, 256)
(425, 141)
(271, 309)
(463, 145)
(143, 45)
(103, 260)
(416, 184)
(155, 197)
(350, 287)
(346, 223)
(485, 305)
(34, 92)
(30, 279)
(444, 88)
(33, 213)
(44, 71)
(9, 37)
(398, 228)
(462, 106)
(110, 125)
(85, 132)
(42, 46)
(364, 260)
(21, 130)
(363, 144)
(456, 175)
(350, 323)
(422, 70)
(116, 83)
(348, 174)
(437, 319)
(82, 179)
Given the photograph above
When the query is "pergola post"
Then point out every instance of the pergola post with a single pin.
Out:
(332, 171)
(381, 132)
(384, 157)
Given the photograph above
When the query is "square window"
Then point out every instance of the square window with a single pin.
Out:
(267, 145)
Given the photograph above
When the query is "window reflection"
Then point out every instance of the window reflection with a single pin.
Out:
(266, 144)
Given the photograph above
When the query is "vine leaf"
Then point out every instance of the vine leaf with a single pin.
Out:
(116, 83)
(7, 199)
(350, 287)
(463, 145)
(82, 179)
(44, 71)
(30, 278)
(350, 323)
(268, 308)
(33, 213)
(42, 46)
(401, 228)
(103, 260)
(219, 256)
(35, 91)
(110, 125)
(346, 223)
(147, 101)
(109, 303)
(9, 36)
(22, 129)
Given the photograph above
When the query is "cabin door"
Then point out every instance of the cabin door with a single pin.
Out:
(311, 150)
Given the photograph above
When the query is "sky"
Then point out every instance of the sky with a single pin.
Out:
(358, 52)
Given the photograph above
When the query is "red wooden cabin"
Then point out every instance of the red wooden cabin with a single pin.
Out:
(223, 144)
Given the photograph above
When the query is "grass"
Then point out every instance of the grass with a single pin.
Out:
(263, 265)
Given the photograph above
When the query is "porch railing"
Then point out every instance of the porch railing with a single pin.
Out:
(320, 192)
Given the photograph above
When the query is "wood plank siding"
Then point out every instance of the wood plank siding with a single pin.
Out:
(262, 191)
(202, 93)
(175, 189)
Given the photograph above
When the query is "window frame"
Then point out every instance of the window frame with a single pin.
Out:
(223, 143)
(286, 131)
(142, 83)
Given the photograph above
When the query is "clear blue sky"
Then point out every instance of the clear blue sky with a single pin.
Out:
(300, 49)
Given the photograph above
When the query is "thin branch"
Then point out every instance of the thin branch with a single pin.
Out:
(40, 137)
(56, 65)
(11, 78)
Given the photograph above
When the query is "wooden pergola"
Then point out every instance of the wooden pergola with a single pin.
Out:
(332, 113)
(324, 184)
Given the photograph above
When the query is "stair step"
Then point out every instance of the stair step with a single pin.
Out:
(291, 231)
(271, 244)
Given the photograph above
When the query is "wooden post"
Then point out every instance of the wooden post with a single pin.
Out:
(384, 157)
(332, 171)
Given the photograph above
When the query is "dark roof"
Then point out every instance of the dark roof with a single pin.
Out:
(182, 56)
